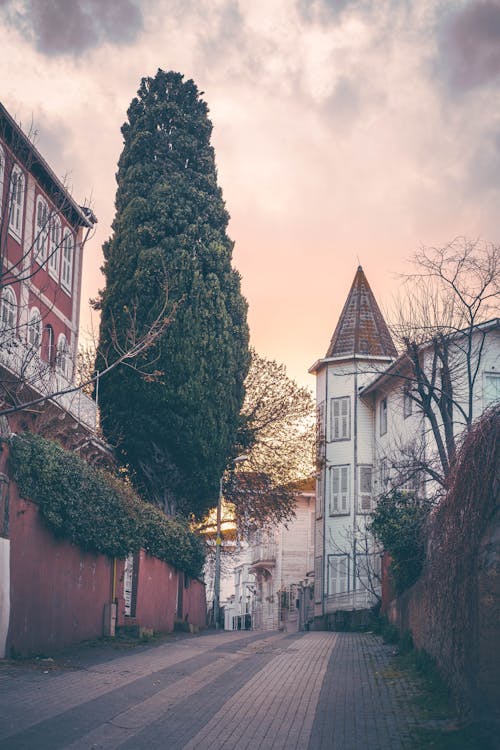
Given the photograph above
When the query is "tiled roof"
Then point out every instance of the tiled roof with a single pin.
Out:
(361, 328)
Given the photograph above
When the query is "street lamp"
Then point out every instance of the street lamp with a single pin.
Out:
(218, 544)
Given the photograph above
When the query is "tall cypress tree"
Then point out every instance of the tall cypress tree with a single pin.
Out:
(176, 430)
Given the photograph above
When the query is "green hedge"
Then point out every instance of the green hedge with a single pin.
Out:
(96, 510)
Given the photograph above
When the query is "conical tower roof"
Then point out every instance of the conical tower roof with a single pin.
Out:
(361, 328)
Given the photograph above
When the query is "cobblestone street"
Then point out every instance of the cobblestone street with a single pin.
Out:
(239, 690)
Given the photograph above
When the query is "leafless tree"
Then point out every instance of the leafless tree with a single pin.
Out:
(440, 325)
(277, 435)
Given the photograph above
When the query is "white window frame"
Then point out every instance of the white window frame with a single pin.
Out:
(16, 202)
(368, 564)
(340, 490)
(34, 330)
(320, 494)
(340, 418)
(365, 496)
(41, 231)
(383, 416)
(55, 235)
(490, 391)
(48, 344)
(338, 574)
(62, 356)
(8, 311)
(68, 252)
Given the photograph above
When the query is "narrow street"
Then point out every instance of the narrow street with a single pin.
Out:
(235, 690)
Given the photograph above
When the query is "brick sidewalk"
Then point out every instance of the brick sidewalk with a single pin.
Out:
(309, 691)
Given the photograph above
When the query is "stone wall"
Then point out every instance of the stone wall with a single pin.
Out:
(453, 610)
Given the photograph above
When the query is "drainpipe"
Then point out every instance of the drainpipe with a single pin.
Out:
(324, 562)
(355, 474)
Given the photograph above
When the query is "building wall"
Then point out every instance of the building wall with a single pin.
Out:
(58, 306)
(292, 563)
(338, 533)
(414, 429)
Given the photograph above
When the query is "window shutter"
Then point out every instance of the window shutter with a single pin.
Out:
(336, 419)
(345, 417)
(365, 488)
(344, 488)
(335, 489)
(338, 574)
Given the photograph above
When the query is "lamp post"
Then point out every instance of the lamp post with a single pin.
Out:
(218, 544)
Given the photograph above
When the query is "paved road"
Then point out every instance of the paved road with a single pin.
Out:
(309, 691)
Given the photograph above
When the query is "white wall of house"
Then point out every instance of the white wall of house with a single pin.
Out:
(282, 559)
(406, 425)
(345, 479)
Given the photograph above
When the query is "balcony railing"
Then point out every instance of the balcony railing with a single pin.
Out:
(263, 553)
(362, 599)
(45, 381)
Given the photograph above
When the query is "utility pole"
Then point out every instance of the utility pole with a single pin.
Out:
(218, 545)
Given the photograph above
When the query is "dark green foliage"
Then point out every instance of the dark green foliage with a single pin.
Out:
(397, 524)
(95, 510)
(175, 432)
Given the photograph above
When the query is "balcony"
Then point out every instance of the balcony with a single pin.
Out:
(362, 599)
(263, 555)
(42, 380)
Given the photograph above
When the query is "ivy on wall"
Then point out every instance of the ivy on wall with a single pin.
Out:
(95, 510)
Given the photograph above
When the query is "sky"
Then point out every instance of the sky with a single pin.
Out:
(345, 132)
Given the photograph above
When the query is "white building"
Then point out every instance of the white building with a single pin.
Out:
(239, 606)
(368, 424)
(281, 561)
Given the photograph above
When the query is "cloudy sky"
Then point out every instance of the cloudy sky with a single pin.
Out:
(345, 131)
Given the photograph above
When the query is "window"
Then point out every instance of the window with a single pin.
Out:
(320, 494)
(383, 416)
(340, 495)
(365, 489)
(54, 246)
(338, 574)
(407, 402)
(491, 388)
(41, 238)
(318, 579)
(62, 356)
(8, 311)
(48, 345)
(35, 330)
(16, 202)
(340, 418)
(368, 572)
(67, 261)
(320, 433)
(384, 474)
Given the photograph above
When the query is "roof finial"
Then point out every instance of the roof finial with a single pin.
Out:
(359, 263)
